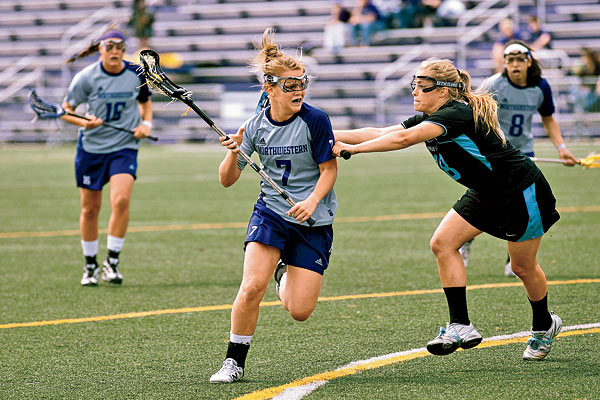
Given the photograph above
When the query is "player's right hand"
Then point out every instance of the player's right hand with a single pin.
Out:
(233, 142)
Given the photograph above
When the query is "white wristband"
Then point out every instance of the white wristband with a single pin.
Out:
(561, 146)
(147, 123)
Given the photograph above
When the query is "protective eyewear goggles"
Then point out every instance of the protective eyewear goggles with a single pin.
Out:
(111, 44)
(436, 83)
(289, 84)
(518, 57)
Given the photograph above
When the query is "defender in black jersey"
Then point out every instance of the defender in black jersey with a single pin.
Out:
(507, 196)
(522, 92)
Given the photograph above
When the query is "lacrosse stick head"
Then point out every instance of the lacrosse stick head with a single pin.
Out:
(591, 161)
(42, 109)
(263, 102)
(158, 80)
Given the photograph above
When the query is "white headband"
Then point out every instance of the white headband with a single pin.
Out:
(516, 48)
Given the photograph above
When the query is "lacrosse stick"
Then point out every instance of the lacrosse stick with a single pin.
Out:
(345, 154)
(159, 81)
(45, 110)
(591, 161)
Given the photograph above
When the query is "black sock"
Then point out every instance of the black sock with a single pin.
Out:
(91, 260)
(541, 316)
(113, 254)
(238, 351)
(457, 304)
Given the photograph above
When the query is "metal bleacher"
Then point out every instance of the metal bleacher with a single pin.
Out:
(211, 43)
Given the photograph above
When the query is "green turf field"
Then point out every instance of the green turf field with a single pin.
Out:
(164, 331)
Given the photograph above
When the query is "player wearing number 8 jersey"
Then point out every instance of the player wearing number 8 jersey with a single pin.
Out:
(507, 196)
(521, 92)
(293, 141)
(115, 93)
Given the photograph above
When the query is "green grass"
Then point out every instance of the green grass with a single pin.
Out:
(171, 356)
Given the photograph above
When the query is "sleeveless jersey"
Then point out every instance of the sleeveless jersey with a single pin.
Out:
(473, 158)
(112, 97)
(290, 153)
(516, 106)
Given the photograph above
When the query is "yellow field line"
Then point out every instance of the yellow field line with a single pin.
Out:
(351, 370)
(268, 304)
(230, 225)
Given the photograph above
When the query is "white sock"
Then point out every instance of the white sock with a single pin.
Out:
(89, 248)
(114, 243)
(282, 284)
(233, 338)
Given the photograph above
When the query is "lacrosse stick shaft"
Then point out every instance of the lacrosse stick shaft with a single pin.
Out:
(109, 125)
(247, 158)
(548, 160)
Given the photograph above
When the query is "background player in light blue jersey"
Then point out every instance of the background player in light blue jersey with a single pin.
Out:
(113, 92)
(293, 141)
(521, 92)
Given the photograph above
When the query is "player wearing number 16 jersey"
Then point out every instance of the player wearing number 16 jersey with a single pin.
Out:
(115, 93)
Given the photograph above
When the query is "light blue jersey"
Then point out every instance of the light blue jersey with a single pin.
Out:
(290, 152)
(516, 107)
(112, 97)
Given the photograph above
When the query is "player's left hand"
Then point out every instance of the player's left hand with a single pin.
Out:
(570, 159)
(141, 131)
(303, 210)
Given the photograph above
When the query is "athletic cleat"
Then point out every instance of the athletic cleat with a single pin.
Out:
(465, 250)
(90, 275)
(452, 337)
(110, 271)
(229, 372)
(279, 271)
(508, 270)
(538, 345)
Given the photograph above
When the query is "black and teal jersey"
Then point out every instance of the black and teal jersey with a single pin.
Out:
(473, 158)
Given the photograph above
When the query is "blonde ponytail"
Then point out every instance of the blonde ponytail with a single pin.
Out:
(271, 60)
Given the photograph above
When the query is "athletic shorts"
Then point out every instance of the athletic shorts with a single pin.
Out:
(301, 246)
(515, 217)
(92, 171)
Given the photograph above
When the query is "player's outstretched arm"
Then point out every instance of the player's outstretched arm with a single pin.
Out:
(553, 130)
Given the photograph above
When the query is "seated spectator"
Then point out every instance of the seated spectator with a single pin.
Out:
(507, 33)
(428, 10)
(536, 37)
(448, 12)
(389, 10)
(365, 20)
(409, 14)
(586, 96)
(335, 32)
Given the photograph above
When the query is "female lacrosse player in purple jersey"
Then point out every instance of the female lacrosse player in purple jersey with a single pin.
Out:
(507, 195)
(293, 141)
(113, 92)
